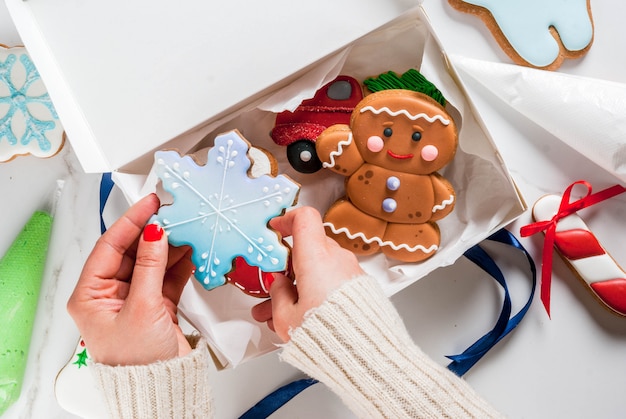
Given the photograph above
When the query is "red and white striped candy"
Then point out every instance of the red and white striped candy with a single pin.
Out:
(583, 252)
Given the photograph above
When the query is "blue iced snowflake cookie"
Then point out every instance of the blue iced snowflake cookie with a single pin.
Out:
(222, 212)
(29, 123)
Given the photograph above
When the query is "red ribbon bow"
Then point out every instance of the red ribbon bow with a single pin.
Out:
(565, 208)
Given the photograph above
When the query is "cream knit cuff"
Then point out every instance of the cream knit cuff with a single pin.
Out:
(177, 388)
(357, 344)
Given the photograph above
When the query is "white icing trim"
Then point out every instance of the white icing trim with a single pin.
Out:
(380, 241)
(444, 204)
(338, 152)
(406, 113)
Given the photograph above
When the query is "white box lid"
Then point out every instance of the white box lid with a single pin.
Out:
(126, 77)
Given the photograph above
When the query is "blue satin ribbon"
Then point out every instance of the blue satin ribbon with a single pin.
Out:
(275, 400)
(106, 186)
(460, 363)
(463, 362)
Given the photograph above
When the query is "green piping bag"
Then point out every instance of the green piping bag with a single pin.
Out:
(21, 273)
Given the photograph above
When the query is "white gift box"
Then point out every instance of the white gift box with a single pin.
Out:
(156, 79)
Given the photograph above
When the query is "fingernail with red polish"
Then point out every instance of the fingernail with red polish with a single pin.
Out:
(268, 280)
(152, 233)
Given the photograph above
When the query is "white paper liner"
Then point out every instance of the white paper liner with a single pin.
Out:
(585, 113)
(486, 196)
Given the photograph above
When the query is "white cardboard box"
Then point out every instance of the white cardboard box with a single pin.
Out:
(126, 77)
(178, 100)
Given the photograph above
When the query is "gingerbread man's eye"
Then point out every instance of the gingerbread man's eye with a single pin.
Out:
(416, 136)
(387, 132)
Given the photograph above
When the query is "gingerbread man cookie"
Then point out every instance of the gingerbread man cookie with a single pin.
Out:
(390, 153)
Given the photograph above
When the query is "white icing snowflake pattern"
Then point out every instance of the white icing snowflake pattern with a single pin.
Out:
(29, 123)
(221, 212)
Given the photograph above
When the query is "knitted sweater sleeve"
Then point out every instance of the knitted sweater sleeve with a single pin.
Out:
(357, 344)
(177, 388)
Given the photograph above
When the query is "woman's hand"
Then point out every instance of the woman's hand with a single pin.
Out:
(320, 266)
(126, 298)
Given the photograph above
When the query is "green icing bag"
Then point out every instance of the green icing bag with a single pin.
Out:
(21, 272)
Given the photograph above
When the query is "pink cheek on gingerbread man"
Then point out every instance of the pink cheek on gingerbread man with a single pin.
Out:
(375, 144)
(430, 153)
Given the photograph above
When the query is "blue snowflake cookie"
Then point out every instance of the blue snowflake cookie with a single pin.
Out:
(29, 123)
(222, 212)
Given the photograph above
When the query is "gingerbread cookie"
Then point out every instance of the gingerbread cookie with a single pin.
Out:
(332, 104)
(585, 256)
(390, 153)
(536, 33)
(76, 389)
(250, 279)
(221, 211)
(29, 123)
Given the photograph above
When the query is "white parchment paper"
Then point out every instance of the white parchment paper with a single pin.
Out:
(585, 113)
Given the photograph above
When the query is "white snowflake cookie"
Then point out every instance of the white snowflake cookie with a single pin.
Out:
(29, 123)
(221, 211)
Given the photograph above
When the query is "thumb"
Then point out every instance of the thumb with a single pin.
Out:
(150, 265)
(284, 313)
(282, 291)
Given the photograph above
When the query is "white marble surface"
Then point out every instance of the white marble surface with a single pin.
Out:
(569, 366)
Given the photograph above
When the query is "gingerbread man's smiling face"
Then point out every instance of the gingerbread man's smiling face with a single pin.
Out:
(404, 131)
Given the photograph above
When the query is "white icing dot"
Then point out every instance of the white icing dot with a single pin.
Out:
(259, 258)
(279, 199)
(176, 166)
(186, 175)
(306, 156)
(216, 261)
(274, 261)
(167, 175)
(287, 190)
(161, 162)
(266, 203)
(222, 149)
(276, 187)
(206, 281)
(175, 185)
(231, 163)
(260, 240)
(234, 153)
(205, 255)
(229, 142)
(266, 189)
(201, 269)
(250, 249)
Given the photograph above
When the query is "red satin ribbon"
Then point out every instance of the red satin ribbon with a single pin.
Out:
(565, 208)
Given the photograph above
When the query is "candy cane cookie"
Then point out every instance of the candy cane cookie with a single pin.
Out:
(586, 257)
